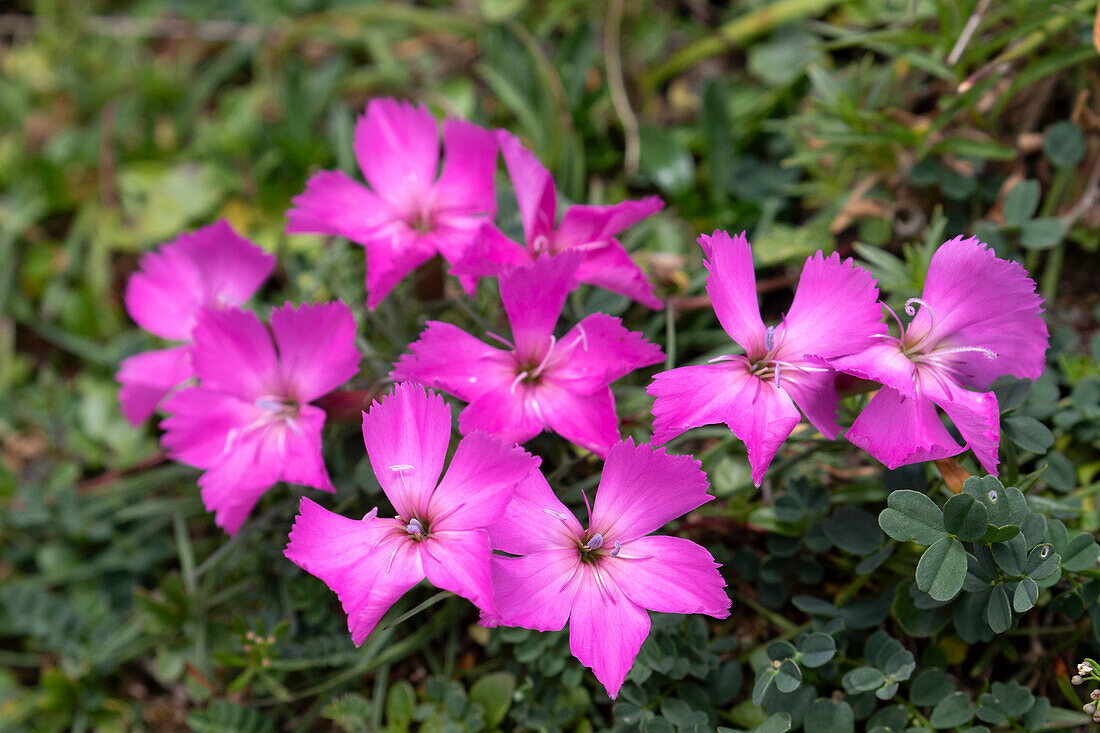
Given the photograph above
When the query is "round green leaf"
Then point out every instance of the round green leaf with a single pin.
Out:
(1042, 233)
(854, 530)
(788, 677)
(1042, 562)
(997, 612)
(817, 649)
(1027, 593)
(1021, 203)
(942, 569)
(1064, 144)
(493, 693)
(1081, 553)
(965, 517)
(930, 686)
(826, 716)
(912, 517)
(778, 723)
(955, 709)
(863, 679)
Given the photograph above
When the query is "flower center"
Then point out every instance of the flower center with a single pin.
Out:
(592, 550)
(416, 530)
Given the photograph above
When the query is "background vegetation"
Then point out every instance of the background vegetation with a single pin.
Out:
(878, 128)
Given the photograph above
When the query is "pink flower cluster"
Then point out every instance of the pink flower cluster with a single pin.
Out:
(240, 394)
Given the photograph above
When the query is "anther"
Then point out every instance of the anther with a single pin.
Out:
(555, 513)
(769, 338)
(294, 426)
(617, 550)
(595, 543)
(401, 468)
(266, 403)
(415, 528)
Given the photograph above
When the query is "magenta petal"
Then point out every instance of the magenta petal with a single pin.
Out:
(901, 430)
(978, 299)
(333, 203)
(611, 268)
(490, 253)
(458, 561)
(536, 591)
(406, 435)
(203, 424)
(534, 191)
(814, 393)
(882, 362)
(535, 520)
(835, 311)
(479, 482)
(469, 160)
(447, 358)
(231, 487)
(598, 351)
(669, 575)
(390, 257)
(731, 285)
(589, 226)
(147, 377)
(643, 488)
(606, 631)
(367, 562)
(397, 145)
(976, 414)
(587, 420)
(510, 414)
(233, 352)
(232, 267)
(316, 348)
(533, 297)
(298, 450)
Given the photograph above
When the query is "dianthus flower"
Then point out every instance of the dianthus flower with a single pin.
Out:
(602, 579)
(211, 267)
(406, 215)
(978, 319)
(249, 423)
(439, 532)
(588, 229)
(758, 394)
(541, 382)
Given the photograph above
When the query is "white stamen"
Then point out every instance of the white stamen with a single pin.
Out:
(401, 468)
(501, 339)
(294, 426)
(987, 353)
(555, 513)
(372, 514)
(546, 358)
(230, 440)
(519, 378)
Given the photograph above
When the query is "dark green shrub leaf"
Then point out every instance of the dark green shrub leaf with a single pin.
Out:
(1010, 556)
(1064, 144)
(826, 716)
(912, 517)
(400, 705)
(965, 517)
(930, 686)
(1025, 596)
(765, 683)
(869, 564)
(1015, 699)
(817, 649)
(997, 612)
(942, 569)
(953, 710)
(989, 710)
(999, 534)
(493, 693)
(1042, 562)
(854, 530)
(788, 677)
(1081, 553)
(1021, 203)
(1025, 431)
(778, 723)
(1041, 233)
(863, 679)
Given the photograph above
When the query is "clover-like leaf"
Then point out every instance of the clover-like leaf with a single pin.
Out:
(912, 517)
(942, 569)
(965, 517)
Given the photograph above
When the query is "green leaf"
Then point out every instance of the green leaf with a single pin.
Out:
(989, 710)
(764, 684)
(826, 716)
(778, 723)
(999, 534)
(1042, 562)
(1027, 593)
(666, 161)
(817, 649)
(912, 517)
(1010, 556)
(493, 693)
(1064, 144)
(954, 710)
(1029, 433)
(863, 679)
(1022, 202)
(942, 569)
(1014, 698)
(854, 530)
(350, 712)
(930, 686)
(1042, 233)
(1081, 553)
(965, 517)
(998, 612)
(400, 705)
(788, 677)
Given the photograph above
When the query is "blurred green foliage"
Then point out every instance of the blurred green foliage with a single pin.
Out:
(878, 128)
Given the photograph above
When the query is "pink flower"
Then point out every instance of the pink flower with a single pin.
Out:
(249, 423)
(602, 580)
(407, 214)
(589, 229)
(540, 382)
(212, 267)
(979, 319)
(439, 532)
(835, 312)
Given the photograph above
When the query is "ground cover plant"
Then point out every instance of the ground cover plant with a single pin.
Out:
(360, 368)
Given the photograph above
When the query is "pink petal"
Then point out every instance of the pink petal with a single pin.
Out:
(587, 420)
(534, 191)
(231, 487)
(147, 377)
(510, 414)
(814, 392)
(536, 591)
(535, 520)
(406, 436)
(397, 145)
(598, 351)
(606, 631)
(978, 299)
(611, 268)
(900, 430)
(731, 285)
(447, 358)
(586, 225)
(333, 203)
(203, 424)
(232, 268)
(316, 348)
(367, 562)
(644, 488)
(469, 160)
(390, 257)
(882, 362)
(300, 459)
(669, 575)
(758, 413)
(976, 415)
(490, 253)
(233, 352)
(458, 561)
(453, 236)
(835, 311)
(479, 482)
(533, 297)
